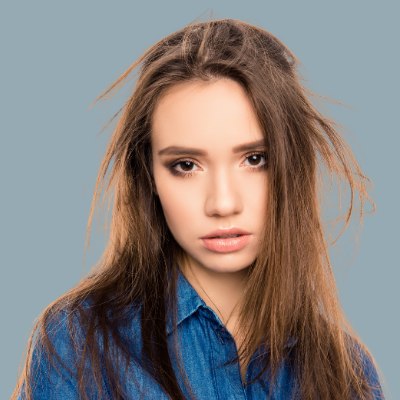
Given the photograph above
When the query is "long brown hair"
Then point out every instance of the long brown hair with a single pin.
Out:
(291, 283)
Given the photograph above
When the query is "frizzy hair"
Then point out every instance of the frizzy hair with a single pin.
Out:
(291, 282)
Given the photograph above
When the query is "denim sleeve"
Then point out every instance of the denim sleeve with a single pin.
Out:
(54, 380)
(373, 378)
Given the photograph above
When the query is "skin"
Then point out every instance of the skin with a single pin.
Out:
(225, 189)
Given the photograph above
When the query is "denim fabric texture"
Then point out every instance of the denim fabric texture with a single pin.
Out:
(205, 347)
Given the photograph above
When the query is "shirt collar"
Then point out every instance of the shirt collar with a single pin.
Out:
(188, 301)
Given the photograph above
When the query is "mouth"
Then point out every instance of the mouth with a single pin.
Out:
(226, 243)
(222, 237)
(226, 233)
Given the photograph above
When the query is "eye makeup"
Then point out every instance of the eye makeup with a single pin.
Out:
(172, 167)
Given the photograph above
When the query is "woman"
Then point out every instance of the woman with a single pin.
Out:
(216, 280)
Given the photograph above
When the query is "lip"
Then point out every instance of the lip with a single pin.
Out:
(223, 232)
(226, 245)
(216, 242)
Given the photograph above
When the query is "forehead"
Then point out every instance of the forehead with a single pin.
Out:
(204, 114)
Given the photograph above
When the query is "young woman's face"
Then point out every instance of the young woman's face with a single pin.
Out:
(205, 178)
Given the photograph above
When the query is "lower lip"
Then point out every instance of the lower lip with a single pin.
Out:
(226, 245)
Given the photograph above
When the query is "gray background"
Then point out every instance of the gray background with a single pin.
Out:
(56, 57)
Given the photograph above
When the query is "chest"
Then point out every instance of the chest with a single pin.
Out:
(207, 350)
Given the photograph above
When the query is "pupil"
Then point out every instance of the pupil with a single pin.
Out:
(187, 164)
(254, 157)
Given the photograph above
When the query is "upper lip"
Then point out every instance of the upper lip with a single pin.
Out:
(225, 232)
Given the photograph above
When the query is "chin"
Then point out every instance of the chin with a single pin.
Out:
(227, 263)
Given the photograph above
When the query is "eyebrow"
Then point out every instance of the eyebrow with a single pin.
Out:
(178, 150)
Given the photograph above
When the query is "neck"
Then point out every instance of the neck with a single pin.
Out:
(221, 291)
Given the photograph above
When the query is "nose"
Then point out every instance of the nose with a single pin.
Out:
(223, 195)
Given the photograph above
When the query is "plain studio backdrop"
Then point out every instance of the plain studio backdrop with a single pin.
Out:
(56, 57)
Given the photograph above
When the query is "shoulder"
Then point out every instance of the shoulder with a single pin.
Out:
(68, 329)
(59, 329)
(51, 356)
(367, 365)
(59, 344)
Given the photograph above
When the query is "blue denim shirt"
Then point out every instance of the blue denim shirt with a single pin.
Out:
(206, 346)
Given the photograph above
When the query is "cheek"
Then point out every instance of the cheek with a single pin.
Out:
(254, 190)
(179, 204)
(256, 203)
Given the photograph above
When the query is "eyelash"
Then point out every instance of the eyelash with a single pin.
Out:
(190, 173)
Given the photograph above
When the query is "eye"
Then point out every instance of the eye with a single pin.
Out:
(185, 168)
(255, 159)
